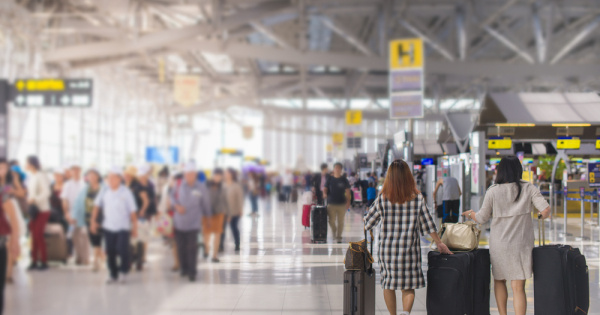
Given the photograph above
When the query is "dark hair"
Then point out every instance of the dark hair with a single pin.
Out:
(164, 172)
(399, 186)
(338, 164)
(8, 178)
(92, 170)
(233, 174)
(34, 161)
(510, 170)
(218, 171)
(324, 166)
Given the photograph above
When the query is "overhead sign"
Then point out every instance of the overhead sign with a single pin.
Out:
(598, 144)
(594, 174)
(353, 117)
(230, 151)
(162, 155)
(499, 143)
(406, 78)
(186, 89)
(566, 143)
(337, 138)
(53, 93)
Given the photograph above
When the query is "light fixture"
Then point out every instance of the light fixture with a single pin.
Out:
(571, 125)
(514, 125)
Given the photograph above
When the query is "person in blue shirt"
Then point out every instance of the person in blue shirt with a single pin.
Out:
(371, 194)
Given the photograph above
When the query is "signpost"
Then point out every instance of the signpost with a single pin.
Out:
(353, 117)
(53, 93)
(406, 78)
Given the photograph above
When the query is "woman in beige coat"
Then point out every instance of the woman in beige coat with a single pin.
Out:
(235, 200)
(510, 201)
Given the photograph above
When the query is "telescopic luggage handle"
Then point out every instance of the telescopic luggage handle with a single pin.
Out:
(541, 231)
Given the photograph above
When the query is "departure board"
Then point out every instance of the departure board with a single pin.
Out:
(52, 93)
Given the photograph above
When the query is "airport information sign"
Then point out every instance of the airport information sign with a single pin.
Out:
(52, 92)
(406, 78)
(594, 174)
(162, 155)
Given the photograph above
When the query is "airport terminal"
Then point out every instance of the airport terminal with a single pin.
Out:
(430, 157)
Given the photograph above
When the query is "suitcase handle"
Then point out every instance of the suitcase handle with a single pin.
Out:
(541, 231)
(369, 271)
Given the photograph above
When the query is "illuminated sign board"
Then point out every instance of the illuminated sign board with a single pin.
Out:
(598, 144)
(594, 174)
(565, 143)
(52, 93)
(499, 143)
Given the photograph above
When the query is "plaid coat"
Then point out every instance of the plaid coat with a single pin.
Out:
(400, 241)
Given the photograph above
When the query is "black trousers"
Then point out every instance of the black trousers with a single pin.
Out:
(235, 229)
(187, 250)
(117, 244)
(451, 208)
(3, 262)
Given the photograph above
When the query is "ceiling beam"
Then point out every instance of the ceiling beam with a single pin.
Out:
(162, 38)
(576, 40)
(347, 35)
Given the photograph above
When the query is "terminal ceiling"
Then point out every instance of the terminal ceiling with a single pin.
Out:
(258, 54)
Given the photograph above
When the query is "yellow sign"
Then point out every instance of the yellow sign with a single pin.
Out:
(329, 148)
(564, 144)
(229, 151)
(353, 117)
(337, 138)
(42, 85)
(592, 177)
(598, 144)
(500, 144)
(406, 53)
(527, 176)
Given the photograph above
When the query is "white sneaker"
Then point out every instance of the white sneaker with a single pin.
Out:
(123, 278)
(404, 313)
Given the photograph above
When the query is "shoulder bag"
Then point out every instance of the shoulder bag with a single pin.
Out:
(460, 236)
(358, 256)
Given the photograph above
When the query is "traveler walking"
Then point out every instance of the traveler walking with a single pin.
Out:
(191, 201)
(145, 199)
(319, 181)
(451, 197)
(9, 226)
(57, 211)
(253, 192)
(337, 192)
(510, 202)
(404, 215)
(69, 194)
(10, 186)
(119, 223)
(235, 202)
(81, 214)
(212, 225)
(287, 183)
(38, 203)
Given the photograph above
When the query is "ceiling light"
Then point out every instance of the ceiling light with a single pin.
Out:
(514, 125)
(571, 125)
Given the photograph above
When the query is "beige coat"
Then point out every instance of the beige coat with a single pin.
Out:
(235, 199)
(512, 232)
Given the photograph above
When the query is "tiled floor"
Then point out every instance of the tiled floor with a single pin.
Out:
(278, 271)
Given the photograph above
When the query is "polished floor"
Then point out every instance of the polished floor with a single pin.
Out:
(278, 271)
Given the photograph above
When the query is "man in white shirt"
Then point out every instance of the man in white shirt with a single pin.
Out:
(119, 224)
(287, 183)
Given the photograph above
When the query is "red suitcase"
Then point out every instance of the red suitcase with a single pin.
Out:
(306, 215)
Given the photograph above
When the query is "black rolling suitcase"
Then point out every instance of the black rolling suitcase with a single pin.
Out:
(359, 290)
(459, 284)
(560, 279)
(318, 224)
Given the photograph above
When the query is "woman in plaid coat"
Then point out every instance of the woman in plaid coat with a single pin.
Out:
(404, 217)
